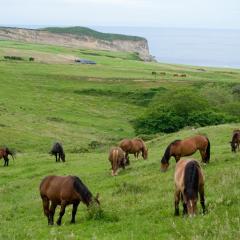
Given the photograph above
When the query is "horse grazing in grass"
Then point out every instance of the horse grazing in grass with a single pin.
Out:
(134, 146)
(58, 152)
(189, 181)
(63, 191)
(117, 159)
(4, 152)
(187, 147)
(235, 140)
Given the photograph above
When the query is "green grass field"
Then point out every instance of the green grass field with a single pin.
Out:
(89, 109)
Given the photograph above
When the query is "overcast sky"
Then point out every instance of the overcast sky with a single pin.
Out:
(155, 13)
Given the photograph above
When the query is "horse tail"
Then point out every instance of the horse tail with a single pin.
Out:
(208, 151)
(144, 148)
(84, 194)
(191, 180)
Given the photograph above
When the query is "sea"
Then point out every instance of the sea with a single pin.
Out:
(200, 47)
(190, 46)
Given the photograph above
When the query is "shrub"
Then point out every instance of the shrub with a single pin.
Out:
(177, 110)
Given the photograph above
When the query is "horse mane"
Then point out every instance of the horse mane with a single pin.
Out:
(191, 180)
(85, 194)
(166, 155)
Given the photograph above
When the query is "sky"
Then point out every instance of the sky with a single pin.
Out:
(144, 13)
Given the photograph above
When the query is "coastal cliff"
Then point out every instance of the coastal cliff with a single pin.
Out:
(79, 37)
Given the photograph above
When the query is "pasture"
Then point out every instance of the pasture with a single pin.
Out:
(89, 109)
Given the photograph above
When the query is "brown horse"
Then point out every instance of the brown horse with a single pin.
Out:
(64, 190)
(134, 146)
(4, 152)
(186, 147)
(189, 181)
(235, 140)
(117, 159)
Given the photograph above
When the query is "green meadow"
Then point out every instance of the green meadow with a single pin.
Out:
(90, 108)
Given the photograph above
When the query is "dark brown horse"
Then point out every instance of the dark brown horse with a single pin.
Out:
(187, 147)
(63, 191)
(58, 152)
(134, 146)
(189, 181)
(235, 140)
(4, 152)
(117, 159)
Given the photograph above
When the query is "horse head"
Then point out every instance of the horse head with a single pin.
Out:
(63, 157)
(145, 153)
(233, 146)
(192, 207)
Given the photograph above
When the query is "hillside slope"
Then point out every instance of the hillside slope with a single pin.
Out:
(89, 109)
(78, 37)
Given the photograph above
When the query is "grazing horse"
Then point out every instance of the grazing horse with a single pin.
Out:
(57, 151)
(189, 181)
(134, 146)
(117, 159)
(4, 152)
(63, 191)
(186, 147)
(235, 140)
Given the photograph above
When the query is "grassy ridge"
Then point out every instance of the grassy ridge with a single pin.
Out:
(83, 31)
(87, 106)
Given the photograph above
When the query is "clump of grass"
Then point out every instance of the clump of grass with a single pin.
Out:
(97, 213)
(126, 188)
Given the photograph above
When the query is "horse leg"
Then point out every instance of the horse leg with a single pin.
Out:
(6, 161)
(56, 157)
(177, 199)
(184, 205)
(202, 198)
(51, 213)
(74, 210)
(62, 211)
(45, 202)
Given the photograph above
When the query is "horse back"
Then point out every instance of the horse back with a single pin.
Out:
(125, 145)
(180, 173)
(57, 188)
(116, 154)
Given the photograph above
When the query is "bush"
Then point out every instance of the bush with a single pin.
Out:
(177, 110)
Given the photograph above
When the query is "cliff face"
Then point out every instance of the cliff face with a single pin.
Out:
(71, 40)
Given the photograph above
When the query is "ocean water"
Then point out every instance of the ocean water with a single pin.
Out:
(201, 47)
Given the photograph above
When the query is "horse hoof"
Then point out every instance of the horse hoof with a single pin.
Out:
(72, 222)
(58, 223)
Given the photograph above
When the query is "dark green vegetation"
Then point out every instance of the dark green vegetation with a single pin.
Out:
(90, 108)
(83, 31)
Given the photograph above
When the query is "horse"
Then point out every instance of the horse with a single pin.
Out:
(4, 152)
(117, 159)
(58, 152)
(134, 146)
(235, 140)
(189, 181)
(63, 191)
(186, 147)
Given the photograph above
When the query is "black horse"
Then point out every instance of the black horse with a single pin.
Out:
(57, 151)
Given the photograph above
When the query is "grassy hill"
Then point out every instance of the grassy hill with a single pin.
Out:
(89, 109)
(84, 31)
